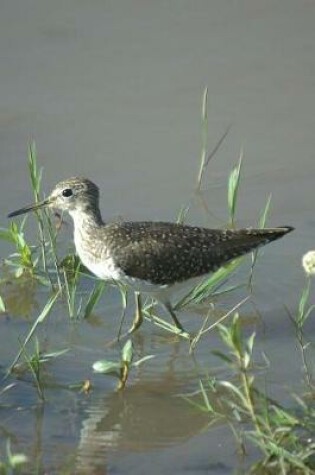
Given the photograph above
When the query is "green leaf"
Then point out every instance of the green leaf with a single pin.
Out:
(233, 187)
(2, 305)
(127, 352)
(205, 397)
(235, 391)
(18, 459)
(236, 334)
(250, 343)
(208, 287)
(39, 320)
(142, 360)
(19, 272)
(35, 173)
(107, 367)
(302, 315)
(6, 235)
(222, 356)
(94, 297)
(264, 214)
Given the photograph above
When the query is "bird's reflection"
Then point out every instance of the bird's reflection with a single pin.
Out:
(149, 413)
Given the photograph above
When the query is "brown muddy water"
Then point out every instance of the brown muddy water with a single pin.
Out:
(112, 91)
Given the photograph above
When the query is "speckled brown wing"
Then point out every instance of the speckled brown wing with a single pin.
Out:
(165, 253)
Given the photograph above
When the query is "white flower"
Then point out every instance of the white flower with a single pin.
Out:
(308, 262)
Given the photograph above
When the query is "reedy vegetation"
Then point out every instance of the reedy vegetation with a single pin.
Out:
(283, 437)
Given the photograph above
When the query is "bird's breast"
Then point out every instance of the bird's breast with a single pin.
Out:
(95, 255)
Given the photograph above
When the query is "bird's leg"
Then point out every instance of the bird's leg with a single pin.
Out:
(137, 321)
(170, 310)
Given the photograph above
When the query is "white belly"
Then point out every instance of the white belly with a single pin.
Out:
(105, 270)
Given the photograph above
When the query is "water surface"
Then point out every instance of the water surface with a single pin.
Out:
(112, 91)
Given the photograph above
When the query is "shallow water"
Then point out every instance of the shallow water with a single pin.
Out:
(112, 91)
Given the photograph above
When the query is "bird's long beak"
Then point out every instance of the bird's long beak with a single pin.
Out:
(32, 207)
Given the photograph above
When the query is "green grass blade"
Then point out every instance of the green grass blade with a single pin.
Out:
(35, 173)
(233, 187)
(264, 214)
(94, 297)
(6, 235)
(208, 286)
(2, 305)
(204, 120)
(44, 313)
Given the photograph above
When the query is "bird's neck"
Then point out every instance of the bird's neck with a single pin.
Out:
(86, 219)
(87, 235)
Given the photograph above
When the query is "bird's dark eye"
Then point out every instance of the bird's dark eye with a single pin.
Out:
(67, 192)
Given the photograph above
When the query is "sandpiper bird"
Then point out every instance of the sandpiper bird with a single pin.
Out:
(151, 257)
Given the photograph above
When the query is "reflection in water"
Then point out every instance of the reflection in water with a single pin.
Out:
(142, 417)
(83, 431)
(38, 452)
(148, 413)
(19, 295)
